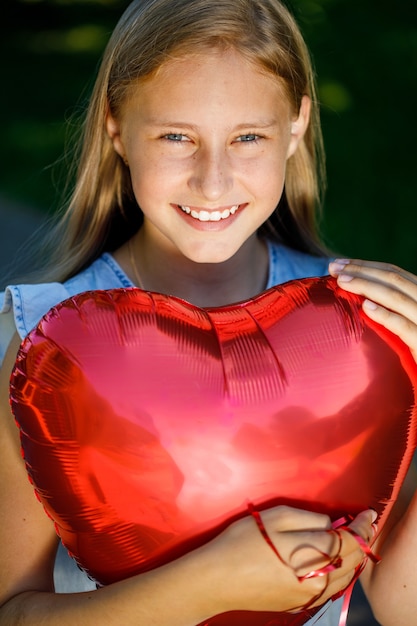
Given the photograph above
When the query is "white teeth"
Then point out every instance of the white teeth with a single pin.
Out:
(203, 216)
(210, 216)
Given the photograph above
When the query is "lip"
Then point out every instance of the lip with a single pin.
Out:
(206, 223)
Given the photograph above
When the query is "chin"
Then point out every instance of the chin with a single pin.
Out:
(212, 258)
(212, 252)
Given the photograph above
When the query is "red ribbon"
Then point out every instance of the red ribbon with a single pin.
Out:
(334, 563)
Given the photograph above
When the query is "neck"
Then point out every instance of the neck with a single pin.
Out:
(203, 284)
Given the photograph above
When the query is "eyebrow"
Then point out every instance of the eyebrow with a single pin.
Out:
(177, 123)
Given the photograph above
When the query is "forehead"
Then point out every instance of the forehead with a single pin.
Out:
(216, 79)
(205, 58)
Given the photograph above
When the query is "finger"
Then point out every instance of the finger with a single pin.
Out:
(399, 294)
(285, 518)
(394, 310)
(324, 583)
(392, 303)
(401, 326)
(352, 556)
(364, 524)
(363, 530)
(313, 552)
(361, 279)
(312, 548)
(375, 270)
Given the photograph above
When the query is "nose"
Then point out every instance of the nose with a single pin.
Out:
(212, 173)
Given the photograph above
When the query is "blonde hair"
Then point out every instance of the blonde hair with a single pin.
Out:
(102, 212)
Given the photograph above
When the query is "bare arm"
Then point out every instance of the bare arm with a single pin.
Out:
(235, 571)
(391, 585)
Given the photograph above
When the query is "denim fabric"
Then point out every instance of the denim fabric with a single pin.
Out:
(286, 264)
(22, 306)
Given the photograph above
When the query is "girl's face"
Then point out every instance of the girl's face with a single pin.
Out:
(207, 141)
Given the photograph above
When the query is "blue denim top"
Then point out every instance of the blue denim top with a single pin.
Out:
(23, 306)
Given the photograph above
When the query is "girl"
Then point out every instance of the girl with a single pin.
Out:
(200, 176)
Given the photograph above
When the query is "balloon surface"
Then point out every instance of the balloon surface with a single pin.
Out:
(147, 424)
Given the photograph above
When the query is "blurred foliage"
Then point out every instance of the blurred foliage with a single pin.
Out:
(365, 53)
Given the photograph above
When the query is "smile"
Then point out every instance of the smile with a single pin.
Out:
(210, 216)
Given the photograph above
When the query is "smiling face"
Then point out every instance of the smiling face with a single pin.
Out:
(207, 140)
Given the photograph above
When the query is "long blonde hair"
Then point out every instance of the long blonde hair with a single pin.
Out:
(102, 212)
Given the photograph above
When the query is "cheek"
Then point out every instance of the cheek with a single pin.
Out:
(273, 181)
(153, 180)
(268, 174)
(144, 170)
(143, 181)
(159, 167)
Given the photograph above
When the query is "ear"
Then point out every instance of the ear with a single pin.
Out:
(114, 133)
(299, 125)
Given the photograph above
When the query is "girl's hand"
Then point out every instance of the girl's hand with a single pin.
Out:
(252, 577)
(390, 292)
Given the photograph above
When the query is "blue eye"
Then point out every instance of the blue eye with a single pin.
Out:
(175, 137)
(248, 138)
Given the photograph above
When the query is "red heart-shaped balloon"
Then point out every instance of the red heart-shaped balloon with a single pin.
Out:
(148, 423)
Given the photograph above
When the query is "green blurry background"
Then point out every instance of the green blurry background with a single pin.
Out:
(365, 52)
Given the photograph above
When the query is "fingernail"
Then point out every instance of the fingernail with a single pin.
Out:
(374, 516)
(344, 278)
(338, 265)
(368, 304)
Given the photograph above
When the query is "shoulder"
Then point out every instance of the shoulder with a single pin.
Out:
(22, 306)
(288, 264)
